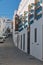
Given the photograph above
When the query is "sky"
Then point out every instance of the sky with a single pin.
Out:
(7, 7)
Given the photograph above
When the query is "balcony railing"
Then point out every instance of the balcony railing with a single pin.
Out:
(31, 16)
(32, 11)
(26, 24)
(31, 22)
(20, 25)
(38, 9)
(20, 29)
(38, 16)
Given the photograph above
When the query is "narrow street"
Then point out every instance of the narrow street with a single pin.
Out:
(10, 55)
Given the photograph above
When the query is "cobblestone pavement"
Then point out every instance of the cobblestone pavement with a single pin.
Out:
(10, 55)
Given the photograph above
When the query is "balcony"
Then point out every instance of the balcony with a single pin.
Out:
(20, 25)
(32, 10)
(31, 22)
(31, 16)
(25, 24)
(38, 16)
(20, 29)
(38, 9)
(37, 4)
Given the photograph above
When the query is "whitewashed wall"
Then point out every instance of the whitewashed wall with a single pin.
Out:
(36, 50)
(21, 33)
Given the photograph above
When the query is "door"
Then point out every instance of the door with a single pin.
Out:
(23, 41)
(32, 42)
(28, 43)
(17, 40)
(34, 36)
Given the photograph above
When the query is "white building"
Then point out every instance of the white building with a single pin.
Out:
(9, 24)
(23, 31)
(36, 34)
(29, 35)
(4, 24)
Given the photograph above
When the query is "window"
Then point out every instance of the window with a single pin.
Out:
(35, 34)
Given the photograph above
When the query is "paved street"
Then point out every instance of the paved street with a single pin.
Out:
(10, 55)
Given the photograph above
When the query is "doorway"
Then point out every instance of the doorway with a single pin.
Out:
(17, 40)
(28, 42)
(23, 41)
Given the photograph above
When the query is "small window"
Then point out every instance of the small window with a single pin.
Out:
(35, 34)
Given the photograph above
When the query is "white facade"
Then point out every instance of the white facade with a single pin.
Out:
(23, 41)
(23, 7)
(4, 24)
(36, 48)
(9, 24)
(17, 41)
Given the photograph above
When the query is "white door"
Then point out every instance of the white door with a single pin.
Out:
(32, 44)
